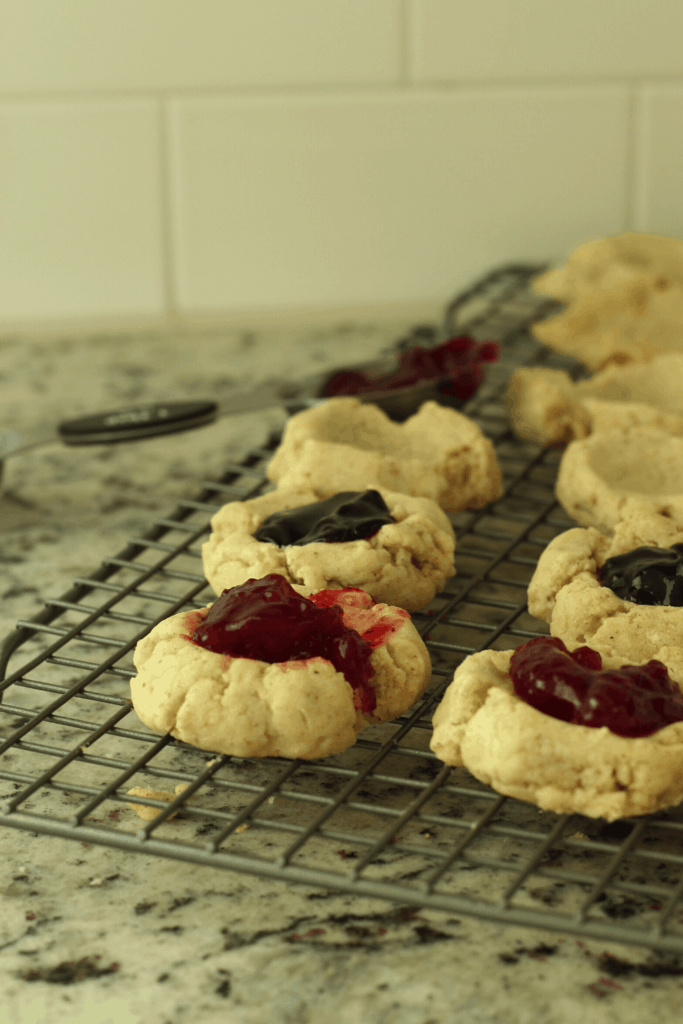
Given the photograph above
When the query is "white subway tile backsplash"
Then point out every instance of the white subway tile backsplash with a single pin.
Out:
(80, 211)
(313, 154)
(658, 204)
(49, 46)
(496, 39)
(388, 197)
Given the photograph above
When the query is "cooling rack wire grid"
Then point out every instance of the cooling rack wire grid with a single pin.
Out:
(390, 818)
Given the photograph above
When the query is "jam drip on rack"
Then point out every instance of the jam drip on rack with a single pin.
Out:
(457, 362)
(349, 515)
(631, 701)
(646, 575)
(268, 621)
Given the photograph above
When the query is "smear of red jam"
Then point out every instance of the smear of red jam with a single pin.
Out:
(268, 621)
(456, 361)
(634, 700)
(360, 614)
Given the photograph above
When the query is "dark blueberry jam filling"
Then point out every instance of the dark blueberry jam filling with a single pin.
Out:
(631, 701)
(458, 360)
(349, 515)
(267, 620)
(646, 575)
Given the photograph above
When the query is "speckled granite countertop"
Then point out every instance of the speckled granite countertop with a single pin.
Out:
(161, 942)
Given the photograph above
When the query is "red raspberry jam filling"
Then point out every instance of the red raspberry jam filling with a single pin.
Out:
(635, 700)
(268, 621)
(459, 360)
(348, 515)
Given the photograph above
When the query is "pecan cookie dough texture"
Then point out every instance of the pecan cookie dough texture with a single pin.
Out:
(249, 708)
(609, 262)
(404, 564)
(630, 323)
(565, 592)
(345, 445)
(547, 407)
(482, 724)
(614, 473)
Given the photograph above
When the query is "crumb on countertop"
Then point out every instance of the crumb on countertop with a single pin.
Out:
(149, 813)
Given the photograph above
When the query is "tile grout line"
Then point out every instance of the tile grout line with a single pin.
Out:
(168, 282)
(342, 89)
(632, 147)
(406, 43)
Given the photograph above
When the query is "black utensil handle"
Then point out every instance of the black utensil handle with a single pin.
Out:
(137, 422)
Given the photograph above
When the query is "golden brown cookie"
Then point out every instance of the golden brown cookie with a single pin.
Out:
(346, 445)
(547, 407)
(482, 724)
(611, 473)
(610, 262)
(250, 708)
(630, 323)
(565, 591)
(404, 564)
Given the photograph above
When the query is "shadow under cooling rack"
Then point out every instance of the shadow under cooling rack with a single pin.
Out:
(384, 819)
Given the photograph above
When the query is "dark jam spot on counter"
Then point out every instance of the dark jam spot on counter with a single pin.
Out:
(646, 575)
(267, 620)
(458, 360)
(349, 515)
(630, 701)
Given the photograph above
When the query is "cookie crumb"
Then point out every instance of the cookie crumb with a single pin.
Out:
(578, 835)
(149, 813)
(243, 827)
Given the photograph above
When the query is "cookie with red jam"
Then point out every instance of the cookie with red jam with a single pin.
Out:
(568, 731)
(397, 548)
(621, 595)
(265, 672)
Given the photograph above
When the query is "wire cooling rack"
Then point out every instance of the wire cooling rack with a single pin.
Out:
(385, 818)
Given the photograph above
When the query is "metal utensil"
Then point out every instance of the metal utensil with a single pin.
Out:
(155, 419)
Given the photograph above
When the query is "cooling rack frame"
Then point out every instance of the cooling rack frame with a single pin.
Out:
(638, 876)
